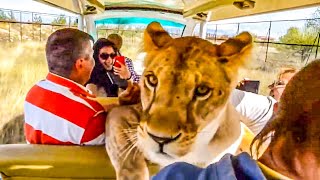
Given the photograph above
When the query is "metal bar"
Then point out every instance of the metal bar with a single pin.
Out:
(238, 28)
(265, 60)
(290, 20)
(215, 33)
(32, 31)
(288, 44)
(21, 35)
(40, 32)
(9, 32)
(184, 27)
(317, 45)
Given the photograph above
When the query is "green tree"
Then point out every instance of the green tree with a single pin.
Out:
(296, 36)
(5, 16)
(305, 36)
(60, 20)
(37, 19)
(75, 22)
(315, 21)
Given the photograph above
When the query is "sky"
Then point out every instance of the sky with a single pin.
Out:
(278, 29)
(32, 6)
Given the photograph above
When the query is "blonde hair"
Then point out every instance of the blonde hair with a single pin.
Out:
(286, 70)
(116, 39)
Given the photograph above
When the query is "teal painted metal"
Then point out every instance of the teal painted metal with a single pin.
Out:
(137, 20)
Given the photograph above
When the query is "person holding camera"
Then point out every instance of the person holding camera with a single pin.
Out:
(109, 74)
(284, 76)
(117, 40)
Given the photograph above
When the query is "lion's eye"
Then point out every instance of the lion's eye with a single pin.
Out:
(202, 91)
(152, 80)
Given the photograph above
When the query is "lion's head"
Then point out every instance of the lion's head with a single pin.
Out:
(184, 87)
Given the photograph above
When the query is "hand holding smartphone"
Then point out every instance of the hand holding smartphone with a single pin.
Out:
(118, 61)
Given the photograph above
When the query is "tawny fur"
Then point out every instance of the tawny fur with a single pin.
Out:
(185, 91)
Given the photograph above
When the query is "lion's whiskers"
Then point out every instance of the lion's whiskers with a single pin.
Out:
(128, 151)
(125, 148)
(135, 153)
(128, 140)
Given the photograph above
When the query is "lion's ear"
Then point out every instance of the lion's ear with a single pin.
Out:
(155, 37)
(235, 51)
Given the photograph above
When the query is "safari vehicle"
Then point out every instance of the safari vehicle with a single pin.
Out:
(24, 161)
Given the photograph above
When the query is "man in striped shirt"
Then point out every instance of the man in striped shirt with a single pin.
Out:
(58, 110)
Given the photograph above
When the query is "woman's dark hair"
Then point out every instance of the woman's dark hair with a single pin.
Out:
(99, 73)
(298, 117)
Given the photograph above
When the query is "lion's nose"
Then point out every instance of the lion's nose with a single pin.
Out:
(164, 140)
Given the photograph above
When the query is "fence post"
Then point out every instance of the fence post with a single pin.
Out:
(215, 33)
(32, 26)
(9, 32)
(21, 27)
(238, 28)
(40, 31)
(265, 60)
(11, 17)
(318, 36)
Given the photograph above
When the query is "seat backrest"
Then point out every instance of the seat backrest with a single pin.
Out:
(24, 161)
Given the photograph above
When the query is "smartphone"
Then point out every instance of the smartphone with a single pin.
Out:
(118, 59)
(250, 86)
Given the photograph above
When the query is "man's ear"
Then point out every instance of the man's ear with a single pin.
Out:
(235, 51)
(78, 64)
(155, 37)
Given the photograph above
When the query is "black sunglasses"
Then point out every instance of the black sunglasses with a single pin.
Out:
(105, 56)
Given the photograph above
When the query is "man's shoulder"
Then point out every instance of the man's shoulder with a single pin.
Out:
(55, 93)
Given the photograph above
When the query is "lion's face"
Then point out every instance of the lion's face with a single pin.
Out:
(185, 85)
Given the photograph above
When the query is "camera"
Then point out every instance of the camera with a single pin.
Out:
(249, 86)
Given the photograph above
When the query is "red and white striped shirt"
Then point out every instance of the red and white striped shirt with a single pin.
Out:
(58, 111)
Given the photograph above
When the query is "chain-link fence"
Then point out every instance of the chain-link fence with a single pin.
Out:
(289, 41)
(23, 26)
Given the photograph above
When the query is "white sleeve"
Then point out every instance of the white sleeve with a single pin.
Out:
(257, 109)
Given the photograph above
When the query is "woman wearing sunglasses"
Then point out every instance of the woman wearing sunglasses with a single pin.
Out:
(277, 87)
(107, 80)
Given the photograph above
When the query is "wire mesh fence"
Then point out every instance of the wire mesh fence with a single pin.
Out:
(286, 40)
(23, 26)
(295, 41)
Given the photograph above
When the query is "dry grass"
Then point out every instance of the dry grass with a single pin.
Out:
(21, 66)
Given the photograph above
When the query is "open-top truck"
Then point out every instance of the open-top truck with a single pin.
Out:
(25, 161)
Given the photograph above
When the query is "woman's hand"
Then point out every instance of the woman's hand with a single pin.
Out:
(131, 95)
(122, 71)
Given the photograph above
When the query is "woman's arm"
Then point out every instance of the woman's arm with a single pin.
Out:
(134, 76)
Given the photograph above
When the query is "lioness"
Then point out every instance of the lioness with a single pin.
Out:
(184, 113)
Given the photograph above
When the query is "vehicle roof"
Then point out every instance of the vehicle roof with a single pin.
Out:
(207, 10)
